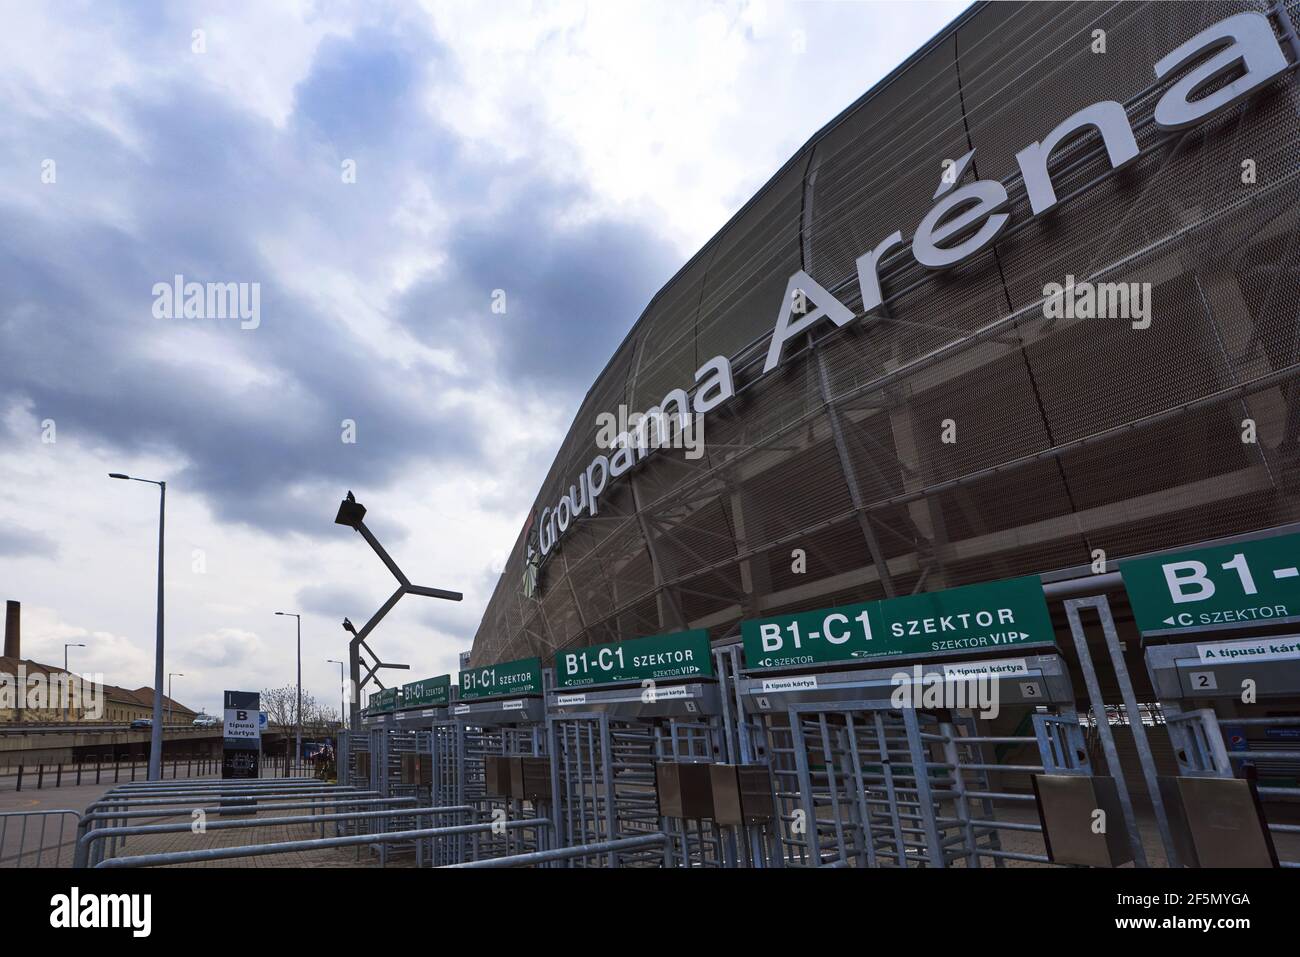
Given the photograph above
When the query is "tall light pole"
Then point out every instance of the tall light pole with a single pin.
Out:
(298, 720)
(170, 699)
(352, 514)
(342, 689)
(67, 672)
(156, 737)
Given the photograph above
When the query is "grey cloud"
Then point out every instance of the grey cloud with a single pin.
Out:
(572, 293)
(25, 543)
(339, 602)
(75, 310)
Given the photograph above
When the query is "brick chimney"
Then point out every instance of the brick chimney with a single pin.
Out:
(13, 645)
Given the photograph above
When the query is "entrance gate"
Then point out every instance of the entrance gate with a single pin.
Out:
(410, 754)
(363, 748)
(630, 761)
(1235, 800)
(859, 782)
(478, 755)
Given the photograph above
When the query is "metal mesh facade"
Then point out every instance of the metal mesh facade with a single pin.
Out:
(1072, 434)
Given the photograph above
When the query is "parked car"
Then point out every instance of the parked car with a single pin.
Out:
(207, 721)
(142, 724)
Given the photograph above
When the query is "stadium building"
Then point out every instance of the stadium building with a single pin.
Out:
(1027, 307)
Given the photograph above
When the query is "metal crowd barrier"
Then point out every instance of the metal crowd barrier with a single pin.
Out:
(85, 845)
(233, 797)
(116, 832)
(46, 842)
(287, 847)
(554, 855)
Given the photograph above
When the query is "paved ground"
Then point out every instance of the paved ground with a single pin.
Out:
(47, 839)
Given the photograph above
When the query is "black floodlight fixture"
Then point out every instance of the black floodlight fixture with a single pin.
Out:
(351, 512)
(118, 475)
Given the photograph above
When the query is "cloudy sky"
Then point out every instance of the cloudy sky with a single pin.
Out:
(379, 170)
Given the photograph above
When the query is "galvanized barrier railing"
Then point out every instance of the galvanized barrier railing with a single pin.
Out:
(144, 790)
(288, 847)
(18, 857)
(85, 851)
(200, 783)
(288, 793)
(92, 824)
(118, 803)
(155, 798)
(554, 855)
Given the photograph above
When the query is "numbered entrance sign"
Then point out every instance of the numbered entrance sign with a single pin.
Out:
(523, 677)
(681, 656)
(1209, 589)
(986, 617)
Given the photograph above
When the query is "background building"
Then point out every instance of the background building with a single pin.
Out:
(123, 705)
(1077, 440)
(120, 705)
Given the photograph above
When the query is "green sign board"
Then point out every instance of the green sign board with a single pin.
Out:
(970, 618)
(678, 656)
(509, 677)
(429, 693)
(385, 700)
(1226, 586)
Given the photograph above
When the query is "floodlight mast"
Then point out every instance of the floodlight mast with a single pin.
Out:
(352, 514)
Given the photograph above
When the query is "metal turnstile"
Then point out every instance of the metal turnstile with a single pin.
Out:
(410, 754)
(408, 772)
(629, 760)
(364, 747)
(479, 752)
(859, 782)
(1232, 709)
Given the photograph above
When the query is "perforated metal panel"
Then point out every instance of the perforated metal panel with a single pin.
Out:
(1071, 434)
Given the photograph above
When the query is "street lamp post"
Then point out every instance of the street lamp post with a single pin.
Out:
(352, 514)
(342, 688)
(170, 699)
(66, 716)
(156, 737)
(298, 720)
